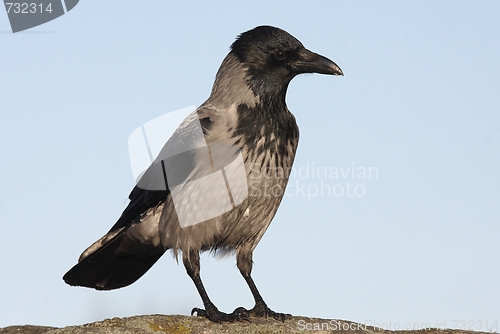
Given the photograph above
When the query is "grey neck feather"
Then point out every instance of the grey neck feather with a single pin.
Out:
(231, 85)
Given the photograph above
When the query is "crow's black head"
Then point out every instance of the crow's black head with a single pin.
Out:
(273, 57)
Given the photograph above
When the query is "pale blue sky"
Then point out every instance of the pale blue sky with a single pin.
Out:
(419, 102)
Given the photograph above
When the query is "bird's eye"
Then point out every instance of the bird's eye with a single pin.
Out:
(280, 55)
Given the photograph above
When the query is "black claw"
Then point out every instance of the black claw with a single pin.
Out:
(261, 310)
(239, 314)
(213, 314)
(199, 312)
(242, 314)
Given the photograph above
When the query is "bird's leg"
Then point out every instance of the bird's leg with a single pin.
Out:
(244, 262)
(192, 264)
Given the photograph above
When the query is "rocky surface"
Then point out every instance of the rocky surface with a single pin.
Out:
(185, 324)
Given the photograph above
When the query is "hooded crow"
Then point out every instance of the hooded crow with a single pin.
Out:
(248, 142)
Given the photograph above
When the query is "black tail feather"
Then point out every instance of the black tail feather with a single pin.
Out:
(106, 270)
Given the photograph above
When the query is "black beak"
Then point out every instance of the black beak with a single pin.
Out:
(310, 62)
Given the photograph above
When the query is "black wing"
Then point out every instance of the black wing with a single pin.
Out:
(140, 201)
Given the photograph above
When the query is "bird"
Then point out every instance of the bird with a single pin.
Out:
(218, 181)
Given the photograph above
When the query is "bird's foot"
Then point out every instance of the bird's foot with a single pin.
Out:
(213, 314)
(261, 310)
